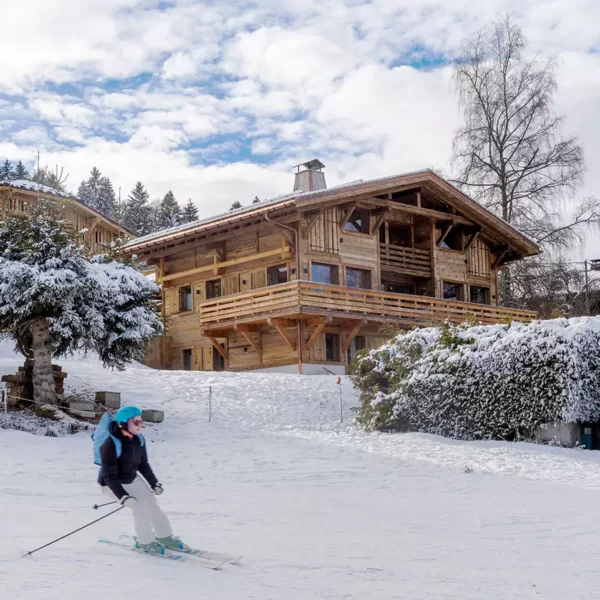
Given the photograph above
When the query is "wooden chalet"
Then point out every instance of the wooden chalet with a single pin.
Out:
(304, 281)
(16, 198)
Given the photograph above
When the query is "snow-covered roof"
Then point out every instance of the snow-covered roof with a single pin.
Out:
(32, 186)
(310, 197)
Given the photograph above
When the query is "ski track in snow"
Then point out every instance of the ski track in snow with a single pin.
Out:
(318, 509)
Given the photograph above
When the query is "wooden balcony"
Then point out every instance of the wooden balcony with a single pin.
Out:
(305, 299)
(411, 261)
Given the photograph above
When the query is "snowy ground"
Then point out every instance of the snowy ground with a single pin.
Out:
(318, 509)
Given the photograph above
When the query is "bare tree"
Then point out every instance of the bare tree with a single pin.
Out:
(55, 180)
(510, 153)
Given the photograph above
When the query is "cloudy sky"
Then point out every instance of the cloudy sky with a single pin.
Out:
(218, 100)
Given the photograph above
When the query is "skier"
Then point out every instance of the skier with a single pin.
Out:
(122, 466)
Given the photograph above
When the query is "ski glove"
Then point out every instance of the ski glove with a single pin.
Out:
(158, 489)
(128, 501)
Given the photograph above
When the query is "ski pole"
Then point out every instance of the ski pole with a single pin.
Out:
(97, 506)
(72, 532)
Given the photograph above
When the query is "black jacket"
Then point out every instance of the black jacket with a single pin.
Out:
(117, 471)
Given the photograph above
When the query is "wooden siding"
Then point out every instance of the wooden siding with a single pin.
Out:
(411, 261)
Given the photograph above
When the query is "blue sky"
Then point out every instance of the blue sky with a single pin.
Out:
(217, 101)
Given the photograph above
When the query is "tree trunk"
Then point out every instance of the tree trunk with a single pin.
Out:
(44, 389)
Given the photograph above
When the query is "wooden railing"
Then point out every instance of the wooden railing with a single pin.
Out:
(305, 297)
(411, 261)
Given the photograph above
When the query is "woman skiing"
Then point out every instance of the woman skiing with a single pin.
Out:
(124, 458)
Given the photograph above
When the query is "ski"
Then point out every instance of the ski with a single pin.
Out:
(200, 561)
(232, 559)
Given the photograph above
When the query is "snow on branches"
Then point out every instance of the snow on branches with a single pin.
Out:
(483, 382)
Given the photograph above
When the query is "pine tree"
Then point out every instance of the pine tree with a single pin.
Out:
(170, 213)
(21, 171)
(6, 171)
(54, 301)
(138, 213)
(40, 176)
(256, 200)
(98, 193)
(235, 206)
(189, 214)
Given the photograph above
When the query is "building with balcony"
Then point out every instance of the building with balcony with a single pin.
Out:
(306, 280)
(98, 231)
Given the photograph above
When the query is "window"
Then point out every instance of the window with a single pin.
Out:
(479, 295)
(187, 359)
(332, 347)
(185, 298)
(398, 288)
(358, 221)
(453, 241)
(453, 291)
(400, 236)
(358, 343)
(278, 274)
(358, 278)
(321, 273)
(218, 360)
(213, 289)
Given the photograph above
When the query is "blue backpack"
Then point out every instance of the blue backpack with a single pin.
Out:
(102, 433)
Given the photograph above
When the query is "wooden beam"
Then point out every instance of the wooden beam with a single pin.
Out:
(218, 346)
(346, 215)
(228, 263)
(315, 321)
(280, 325)
(252, 342)
(93, 227)
(312, 221)
(444, 235)
(316, 333)
(281, 321)
(419, 198)
(415, 210)
(245, 327)
(472, 239)
(378, 221)
(346, 343)
(502, 254)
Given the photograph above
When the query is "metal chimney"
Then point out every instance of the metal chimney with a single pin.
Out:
(309, 176)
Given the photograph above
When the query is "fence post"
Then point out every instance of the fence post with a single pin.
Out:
(209, 403)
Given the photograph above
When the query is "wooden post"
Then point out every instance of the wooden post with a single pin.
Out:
(299, 345)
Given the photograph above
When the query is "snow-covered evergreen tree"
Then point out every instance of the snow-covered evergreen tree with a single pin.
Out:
(7, 172)
(98, 193)
(256, 200)
(137, 215)
(53, 300)
(21, 171)
(235, 206)
(189, 212)
(170, 212)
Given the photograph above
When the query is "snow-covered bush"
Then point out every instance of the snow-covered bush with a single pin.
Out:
(482, 382)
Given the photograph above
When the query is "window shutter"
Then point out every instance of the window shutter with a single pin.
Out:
(208, 362)
(231, 284)
(167, 293)
(259, 279)
(199, 292)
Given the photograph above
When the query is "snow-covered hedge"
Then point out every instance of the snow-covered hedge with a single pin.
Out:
(482, 382)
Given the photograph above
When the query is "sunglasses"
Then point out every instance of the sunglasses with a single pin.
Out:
(138, 422)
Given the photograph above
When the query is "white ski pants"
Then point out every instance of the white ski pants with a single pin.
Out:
(148, 516)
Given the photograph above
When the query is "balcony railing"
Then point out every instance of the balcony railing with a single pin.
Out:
(298, 298)
(411, 261)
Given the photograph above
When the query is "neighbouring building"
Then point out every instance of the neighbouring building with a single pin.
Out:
(304, 281)
(16, 197)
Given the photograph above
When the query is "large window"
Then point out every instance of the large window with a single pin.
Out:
(278, 274)
(321, 273)
(187, 359)
(213, 289)
(358, 343)
(332, 347)
(453, 291)
(358, 278)
(479, 295)
(185, 298)
(358, 221)
(218, 360)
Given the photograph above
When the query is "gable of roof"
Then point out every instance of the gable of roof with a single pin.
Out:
(455, 197)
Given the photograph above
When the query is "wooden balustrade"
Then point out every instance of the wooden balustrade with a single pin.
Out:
(412, 261)
(299, 298)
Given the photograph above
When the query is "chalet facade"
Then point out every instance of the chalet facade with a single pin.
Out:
(304, 281)
(16, 198)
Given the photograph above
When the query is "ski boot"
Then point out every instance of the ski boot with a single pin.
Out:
(151, 548)
(172, 542)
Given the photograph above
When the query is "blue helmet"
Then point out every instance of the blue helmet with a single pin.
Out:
(127, 412)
